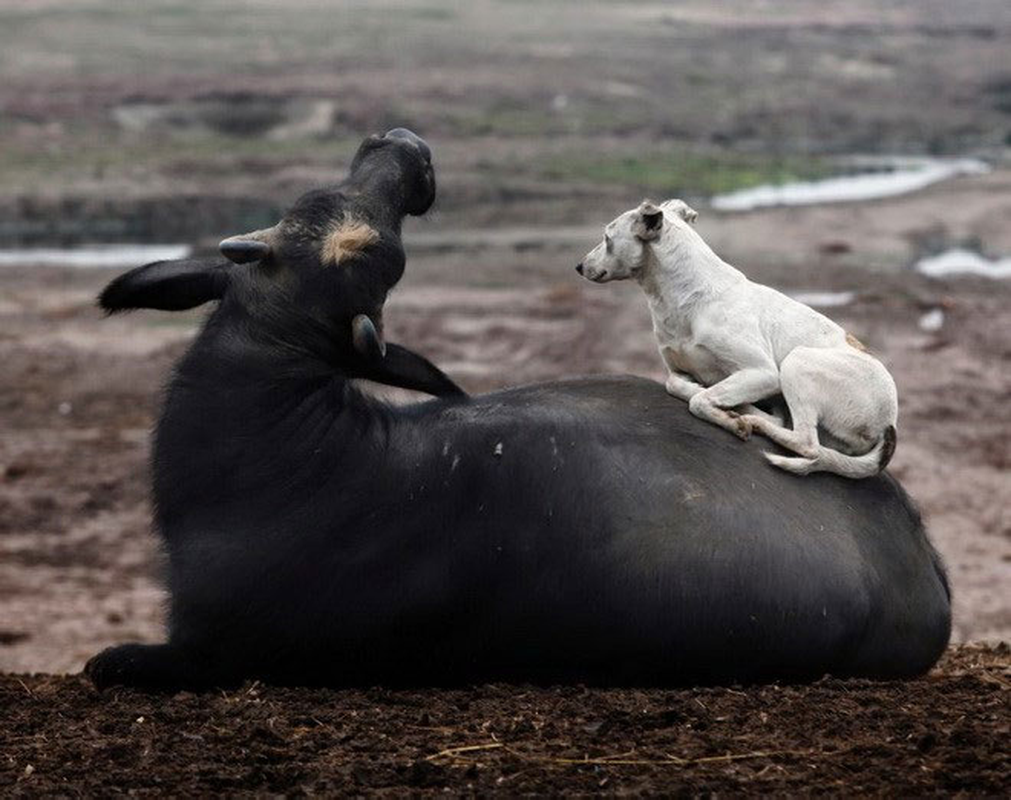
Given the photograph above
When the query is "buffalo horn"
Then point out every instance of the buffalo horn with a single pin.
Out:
(366, 338)
(253, 246)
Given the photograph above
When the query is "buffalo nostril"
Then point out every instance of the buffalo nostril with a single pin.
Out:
(412, 138)
(579, 268)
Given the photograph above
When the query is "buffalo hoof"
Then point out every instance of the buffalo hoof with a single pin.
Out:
(127, 665)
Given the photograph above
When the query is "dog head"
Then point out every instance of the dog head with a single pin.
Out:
(624, 249)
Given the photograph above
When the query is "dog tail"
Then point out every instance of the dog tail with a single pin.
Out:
(829, 460)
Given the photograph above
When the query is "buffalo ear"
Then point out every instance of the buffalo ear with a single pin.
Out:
(167, 285)
(648, 221)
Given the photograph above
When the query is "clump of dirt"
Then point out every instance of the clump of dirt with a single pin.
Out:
(945, 733)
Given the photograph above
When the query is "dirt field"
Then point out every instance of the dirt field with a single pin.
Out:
(944, 734)
(78, 565)
(154, 120)
(161, 124)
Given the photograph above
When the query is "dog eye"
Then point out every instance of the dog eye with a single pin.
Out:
(607, 243)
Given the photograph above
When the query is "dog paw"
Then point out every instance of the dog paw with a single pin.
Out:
(675, 388)
(741, 427)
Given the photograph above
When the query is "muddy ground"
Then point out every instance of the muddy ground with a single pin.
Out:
(78, 564)
(946, 733)
(160, 124)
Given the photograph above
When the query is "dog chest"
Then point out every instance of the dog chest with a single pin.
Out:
(695, 360)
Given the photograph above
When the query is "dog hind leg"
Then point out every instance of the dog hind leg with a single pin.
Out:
(796, 385)
(809, 377)
(802, 440)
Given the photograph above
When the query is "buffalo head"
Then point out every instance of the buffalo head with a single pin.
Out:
(319, 278)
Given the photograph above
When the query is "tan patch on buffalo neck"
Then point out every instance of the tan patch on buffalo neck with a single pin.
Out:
(346, 240)
(855, 343)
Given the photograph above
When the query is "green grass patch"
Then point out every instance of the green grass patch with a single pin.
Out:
(508, 120)
(672, 172)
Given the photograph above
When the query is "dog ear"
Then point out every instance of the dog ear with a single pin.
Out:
(688, 214)
(682, 209)
(648, 221)
(167, 285)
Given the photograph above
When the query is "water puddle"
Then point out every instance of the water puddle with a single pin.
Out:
(874, 178)
(94, 256)
(959, 261)
(824, 299)
(932, 321)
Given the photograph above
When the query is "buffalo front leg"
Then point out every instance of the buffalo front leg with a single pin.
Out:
(746, 386)
(150, 667)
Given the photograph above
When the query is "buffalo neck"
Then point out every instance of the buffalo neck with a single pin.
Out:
(380, 189)
(242, 424)
(238, 393)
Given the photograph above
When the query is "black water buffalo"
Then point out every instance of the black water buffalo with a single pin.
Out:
(583, 530)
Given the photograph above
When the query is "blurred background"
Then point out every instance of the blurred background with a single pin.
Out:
(855, 154)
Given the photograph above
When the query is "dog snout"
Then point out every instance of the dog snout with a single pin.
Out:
(579, 267)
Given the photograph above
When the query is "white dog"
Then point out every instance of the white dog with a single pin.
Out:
(729, 343)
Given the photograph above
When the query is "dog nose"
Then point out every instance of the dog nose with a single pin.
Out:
(579, 268)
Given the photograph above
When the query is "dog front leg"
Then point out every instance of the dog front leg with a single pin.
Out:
(746, 386)
(774, 417)
(682, 386)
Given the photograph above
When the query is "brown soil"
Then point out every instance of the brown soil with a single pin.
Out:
(946, 733)
(78, 565)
